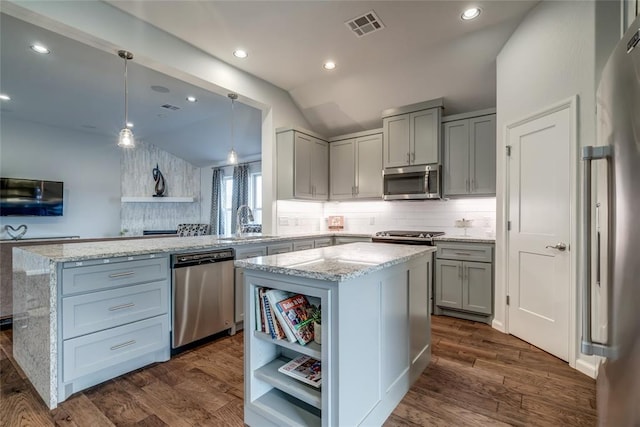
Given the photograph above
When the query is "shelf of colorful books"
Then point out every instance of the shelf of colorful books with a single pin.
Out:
(269, 373)
(310, 349)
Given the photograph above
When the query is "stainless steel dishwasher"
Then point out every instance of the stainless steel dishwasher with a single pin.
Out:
(202, 291)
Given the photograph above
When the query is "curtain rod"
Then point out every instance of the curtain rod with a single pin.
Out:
(238, 164)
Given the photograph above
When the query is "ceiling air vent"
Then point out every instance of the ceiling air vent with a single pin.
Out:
(365, 24)
(170, 107)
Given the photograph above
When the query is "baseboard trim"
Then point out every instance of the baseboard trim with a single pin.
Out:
(587, 368)
(496, 324)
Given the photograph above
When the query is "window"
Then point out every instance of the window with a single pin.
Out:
(255, 196)
(255, 200)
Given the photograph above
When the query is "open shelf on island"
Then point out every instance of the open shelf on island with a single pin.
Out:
(307, 393)
(145, 199)
(311, 349)
(286, 409)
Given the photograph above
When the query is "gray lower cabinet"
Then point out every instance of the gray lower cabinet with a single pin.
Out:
(464, 280)
(343, 240)
(323, 242)
(115, 318)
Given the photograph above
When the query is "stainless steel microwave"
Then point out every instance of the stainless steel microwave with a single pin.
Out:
(412, 182)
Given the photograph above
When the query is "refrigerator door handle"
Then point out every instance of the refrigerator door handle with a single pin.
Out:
(588, 346)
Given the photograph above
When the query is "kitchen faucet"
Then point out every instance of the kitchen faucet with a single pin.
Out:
(239, 218)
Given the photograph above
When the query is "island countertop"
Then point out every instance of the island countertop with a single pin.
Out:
(336, 263)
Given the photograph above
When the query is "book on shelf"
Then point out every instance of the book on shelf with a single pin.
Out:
(296, 312)
(305, 369)
(263, 311)
(275, 296)
(274, 326)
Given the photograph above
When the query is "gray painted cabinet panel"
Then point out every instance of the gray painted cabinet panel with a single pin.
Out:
(449, 283)
(356, 168)
(319, 163)
(470, 156)
(302, 166)
(342, 161)
(412, 138)
(477, 290)
(482, 132)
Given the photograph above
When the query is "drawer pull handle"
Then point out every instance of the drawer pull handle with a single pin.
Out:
(121, 306)
(124, 344)
(463, 253)
(127, 273)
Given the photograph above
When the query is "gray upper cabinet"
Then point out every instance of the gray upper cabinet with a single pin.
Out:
(302, 166)
(470, 156)
(412, 138)
(356, 167)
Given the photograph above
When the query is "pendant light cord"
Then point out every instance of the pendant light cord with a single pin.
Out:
(126, 104)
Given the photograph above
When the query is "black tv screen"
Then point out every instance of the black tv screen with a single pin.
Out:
(30, 197)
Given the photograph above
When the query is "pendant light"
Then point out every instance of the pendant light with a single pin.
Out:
(125, 139)
(232, 158)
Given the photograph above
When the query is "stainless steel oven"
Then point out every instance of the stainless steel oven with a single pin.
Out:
(412, 182)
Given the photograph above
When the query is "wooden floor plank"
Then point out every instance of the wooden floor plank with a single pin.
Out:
(477, 377)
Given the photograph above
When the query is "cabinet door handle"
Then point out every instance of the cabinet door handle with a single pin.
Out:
(121, 306)
(124, 344)
(413, 157)
(357, 190)
(463, 253)
(408, 158)
(466, 184)
(460, 271)
(117, 275)
(473, 185)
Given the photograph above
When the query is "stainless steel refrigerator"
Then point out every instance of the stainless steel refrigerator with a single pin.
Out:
(613, 262)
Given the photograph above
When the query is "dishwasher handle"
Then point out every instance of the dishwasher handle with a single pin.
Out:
(191, 259)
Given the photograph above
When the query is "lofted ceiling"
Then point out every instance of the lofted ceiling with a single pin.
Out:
(81, 88)
(425, 51)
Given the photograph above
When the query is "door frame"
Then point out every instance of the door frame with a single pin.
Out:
(571, 104)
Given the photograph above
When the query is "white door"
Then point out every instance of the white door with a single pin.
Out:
(540, 215)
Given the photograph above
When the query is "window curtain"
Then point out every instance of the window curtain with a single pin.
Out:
(216, 223)
(240, 194)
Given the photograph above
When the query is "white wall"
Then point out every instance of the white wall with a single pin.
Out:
(105, 27)
(88, 164)
(550, 57)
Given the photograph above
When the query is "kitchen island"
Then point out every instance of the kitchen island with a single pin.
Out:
(375, 337)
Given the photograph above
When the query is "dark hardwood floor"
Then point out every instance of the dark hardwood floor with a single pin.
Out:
(477, 377)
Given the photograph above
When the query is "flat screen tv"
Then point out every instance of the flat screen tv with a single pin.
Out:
(30, 197)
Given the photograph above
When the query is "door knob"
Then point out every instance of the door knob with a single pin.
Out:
(559, 246)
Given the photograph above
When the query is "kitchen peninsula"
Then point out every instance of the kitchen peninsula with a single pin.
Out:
(87, 312)
(375, 334)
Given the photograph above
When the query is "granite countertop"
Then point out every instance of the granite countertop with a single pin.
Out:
(467, 239)
(336, 263)
(63, 252)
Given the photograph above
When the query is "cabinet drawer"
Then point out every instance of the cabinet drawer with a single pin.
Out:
(301, 245)
(322, 243)
(280, 248)
(87, 313)
(251, 253)
(465, 251)
(94, 352)
(111, 275)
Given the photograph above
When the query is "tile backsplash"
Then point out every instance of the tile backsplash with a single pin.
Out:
(368, 217)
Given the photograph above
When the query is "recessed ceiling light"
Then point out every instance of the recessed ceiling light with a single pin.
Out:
(40, 48)
(192, 98)
(5, 97)
(471, 13)
(329, 65)
(129, 124)
(239, 53)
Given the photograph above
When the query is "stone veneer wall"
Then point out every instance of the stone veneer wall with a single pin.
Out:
(182, 180)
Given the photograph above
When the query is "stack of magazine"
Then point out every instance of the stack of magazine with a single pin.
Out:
(305, 369)
(284, 315)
